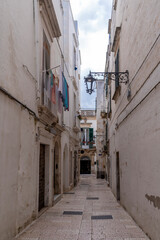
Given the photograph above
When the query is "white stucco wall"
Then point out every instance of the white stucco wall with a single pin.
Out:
(17, 48)
(21, 134)
(139, 158)
(70, 138)
(17, 126)
(100, 128)
(17, 184)
(136, 138)
(20, 129)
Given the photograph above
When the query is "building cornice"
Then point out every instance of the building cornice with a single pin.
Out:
(50, 18)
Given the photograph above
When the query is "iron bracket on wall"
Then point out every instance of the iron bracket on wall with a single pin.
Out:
(121, 77)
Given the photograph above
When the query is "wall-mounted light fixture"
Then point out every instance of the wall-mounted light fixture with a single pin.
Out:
(90, 80)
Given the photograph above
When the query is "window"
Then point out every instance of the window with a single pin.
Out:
(90, 137)
(46, 86)
(117, 70)
(87, 137)
(82, 136)
(117, 85)
(109, 110)
(106, 85)
(74, 111)
(115, 4)
(74, 59)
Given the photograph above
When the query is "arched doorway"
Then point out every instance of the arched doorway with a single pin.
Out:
(65, 169)
(85, 165)
(56, 174)
(75, 168)
(70, 168)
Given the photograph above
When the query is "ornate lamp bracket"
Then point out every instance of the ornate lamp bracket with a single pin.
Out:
(121, 77)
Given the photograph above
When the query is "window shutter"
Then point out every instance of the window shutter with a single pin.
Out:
(90, 137)
(109, 101)
(117, 70)
(106, 85)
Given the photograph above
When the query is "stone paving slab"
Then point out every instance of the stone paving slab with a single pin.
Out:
(53, 225)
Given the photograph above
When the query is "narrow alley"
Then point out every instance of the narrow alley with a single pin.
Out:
(89, 211)
(79, 120)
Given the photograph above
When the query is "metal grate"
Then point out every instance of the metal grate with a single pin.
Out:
(29, 238)
(72, 213)
(101, 217)
(69, 193)
(92, 198)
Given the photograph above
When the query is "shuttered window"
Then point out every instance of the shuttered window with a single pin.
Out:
(109, 101)
(46, 86)
(106, 85)
(117, 70)
(91, 134)
(90, 137)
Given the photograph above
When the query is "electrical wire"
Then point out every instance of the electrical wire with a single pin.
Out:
(24, 106)
(16, 100)
(26, 68)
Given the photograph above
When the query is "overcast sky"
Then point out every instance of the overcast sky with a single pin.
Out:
(92, 16)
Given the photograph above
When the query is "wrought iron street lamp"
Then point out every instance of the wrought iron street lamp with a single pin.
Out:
(90, 80)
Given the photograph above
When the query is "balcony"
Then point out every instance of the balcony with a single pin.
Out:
(76, 127)
(88, 113)
(46, 115)
(88, 145)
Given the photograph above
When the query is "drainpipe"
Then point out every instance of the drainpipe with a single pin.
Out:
(36, 21)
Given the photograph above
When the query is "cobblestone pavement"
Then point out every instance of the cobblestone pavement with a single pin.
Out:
(59, 224)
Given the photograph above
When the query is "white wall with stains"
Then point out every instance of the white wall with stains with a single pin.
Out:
(17, 126)
(134, 124)
(100, 136)
(21, 133)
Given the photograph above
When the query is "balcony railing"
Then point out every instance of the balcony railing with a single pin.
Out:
(88, 113)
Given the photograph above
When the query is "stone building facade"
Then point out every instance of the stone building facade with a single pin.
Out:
(101, 130)
(39, 98)
(87, 153)
(133, 110)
